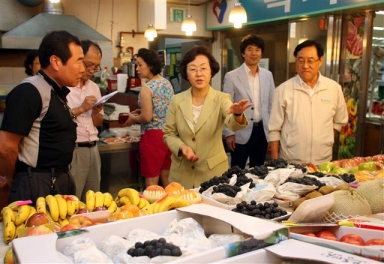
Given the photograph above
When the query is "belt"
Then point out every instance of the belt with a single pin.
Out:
(22, 167)
(258, 123)
(86, 144)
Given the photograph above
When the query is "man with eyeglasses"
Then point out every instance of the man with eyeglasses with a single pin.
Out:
(86, 164)
(307, 111)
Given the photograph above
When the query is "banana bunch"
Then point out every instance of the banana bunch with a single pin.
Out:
(60, 207)
(166, 204)
(99, 199)
(129, 196)
(14, 217)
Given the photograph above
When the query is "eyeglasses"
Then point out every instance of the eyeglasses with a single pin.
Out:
(89, 66)
(201, 70)
(310, 62)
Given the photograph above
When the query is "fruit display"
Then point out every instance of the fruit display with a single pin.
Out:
(261, 210)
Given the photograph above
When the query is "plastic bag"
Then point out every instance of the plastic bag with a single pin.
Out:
(279, 176)
(263, 191)
(293, 191)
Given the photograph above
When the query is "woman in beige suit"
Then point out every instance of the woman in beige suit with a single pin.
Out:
(195, 121)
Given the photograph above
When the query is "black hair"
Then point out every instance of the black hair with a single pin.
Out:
(85, 44)
(56, 43)
(192, 54)
(28, 63)
(151, 58)
(251, 39)
(310, 43)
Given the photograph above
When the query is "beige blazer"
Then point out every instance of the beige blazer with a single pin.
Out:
(205, 139)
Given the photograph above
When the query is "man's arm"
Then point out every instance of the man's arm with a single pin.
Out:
(8, 154)
(274, 145)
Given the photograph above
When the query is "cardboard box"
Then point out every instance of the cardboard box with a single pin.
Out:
(294, 250)
(214, 220)
(366, 234)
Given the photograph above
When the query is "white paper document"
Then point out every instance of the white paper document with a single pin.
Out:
(105, 98)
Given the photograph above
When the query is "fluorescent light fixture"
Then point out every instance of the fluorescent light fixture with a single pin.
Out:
(378, 28)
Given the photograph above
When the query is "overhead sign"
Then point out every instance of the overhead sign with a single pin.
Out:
(260, 11)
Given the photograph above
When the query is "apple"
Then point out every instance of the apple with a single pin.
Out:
(39, 230)
(37, 219)
(308, 234)
(326, 166)
(99, 208)
(8, 258)
(353, 239)
(326, 234)
(369, 166)
(82, 211)
(69, 227)
(375, 241)
(80, 220)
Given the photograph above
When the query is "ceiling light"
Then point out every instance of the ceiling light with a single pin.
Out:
(188, 25)
(238, 16)
(54, 1)
(150, 33)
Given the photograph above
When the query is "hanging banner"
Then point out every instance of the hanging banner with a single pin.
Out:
(261, 11)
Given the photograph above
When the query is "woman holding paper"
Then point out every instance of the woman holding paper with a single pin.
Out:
(154, 98)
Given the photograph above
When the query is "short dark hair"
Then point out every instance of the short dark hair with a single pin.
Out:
(152, 59)
(85, 44)
(56, 43)
(192, 54)
(31, 55)
(310, 43)
(251, 39)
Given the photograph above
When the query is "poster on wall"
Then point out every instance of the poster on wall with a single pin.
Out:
(351, 84)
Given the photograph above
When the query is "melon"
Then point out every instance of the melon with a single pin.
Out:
(373, 192)
(347, 204)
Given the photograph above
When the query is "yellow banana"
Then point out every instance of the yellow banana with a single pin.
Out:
(113, 206)
(32, 211)
(148, 209)
(8, 215)
(76, 202)
(71, 207)
(90, 200)
(124, 201)
(82, 205)
(62, 203)
(18, 228)
(49, 216)
(9, 231)
(123, 192)
(143, 203)
(22, 214)
(41, 206)
(53, 207)
(107, 199)
(14, 205)
(133, 196)
(99, 199)
(63, 222)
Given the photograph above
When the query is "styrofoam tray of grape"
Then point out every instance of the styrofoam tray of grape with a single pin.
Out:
(269, 210)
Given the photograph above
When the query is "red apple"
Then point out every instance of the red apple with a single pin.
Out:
(39, 230)
(82, 211)
(99, 208)
(80, 220)
(353, 239)
(308, 234)
(374, 241)
(69, 227)
(37, 219)
(326, 234)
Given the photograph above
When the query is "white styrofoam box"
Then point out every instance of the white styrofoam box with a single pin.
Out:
(214, 220)
(292, 249)
(119, 131)
(118, 108)
(134, 131)
(366, 234)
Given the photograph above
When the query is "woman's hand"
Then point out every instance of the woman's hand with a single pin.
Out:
(239, 107)
(188, 153)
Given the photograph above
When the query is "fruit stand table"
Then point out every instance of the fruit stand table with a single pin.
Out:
(119, 165)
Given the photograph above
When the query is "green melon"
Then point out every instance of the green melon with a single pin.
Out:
(373, 192)
(347, 204)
